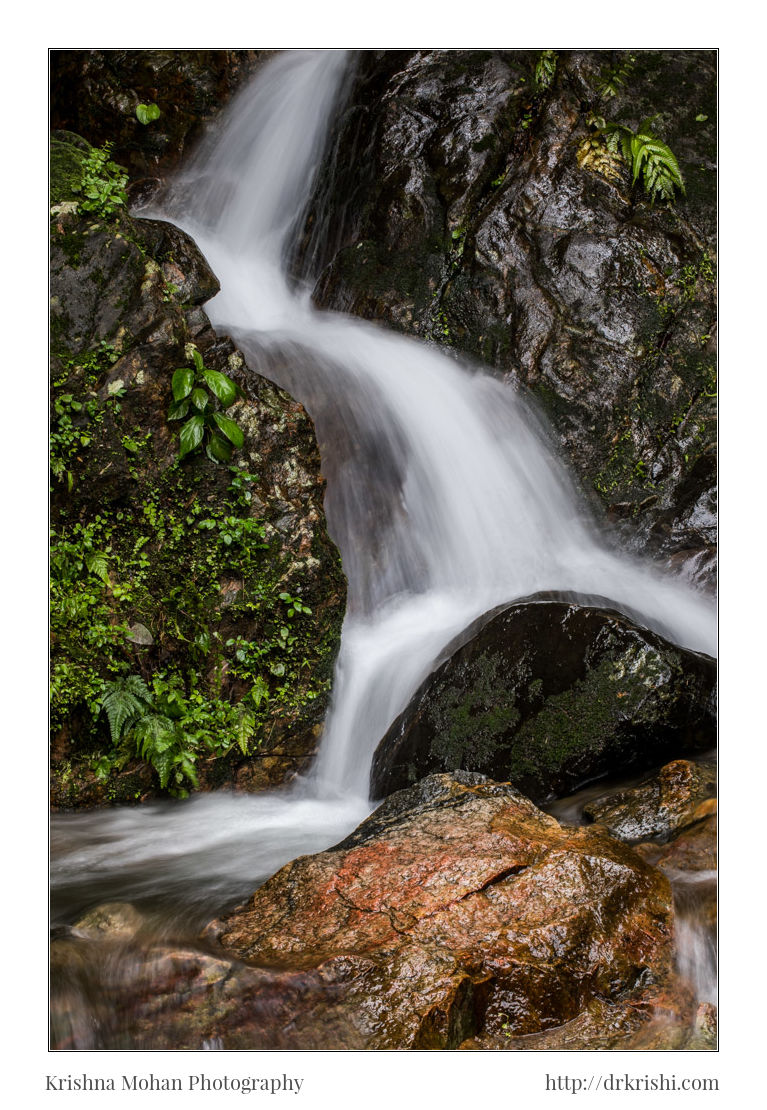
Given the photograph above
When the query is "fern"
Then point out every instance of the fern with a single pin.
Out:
(595, 154)
(545, 68)
(245, 728)
(610, 145)
(650, 157)
(96, 563)
(124, 701)
(613, 80)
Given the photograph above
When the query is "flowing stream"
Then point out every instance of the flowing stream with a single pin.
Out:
(443, 496)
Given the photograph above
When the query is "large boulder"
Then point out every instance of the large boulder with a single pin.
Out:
(549, 694)
(457, 915)
(455, 207)
(182, 575)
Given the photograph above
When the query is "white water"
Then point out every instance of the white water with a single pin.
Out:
(443, 497)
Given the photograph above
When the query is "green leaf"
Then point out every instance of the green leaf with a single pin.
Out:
(218, 449)
(199, 398)
(178, 409)
(223, 387)
(701, 118)
(191, 435)
(260, 691)
(197, 357)
(163, 764)
(182, 383)
(145, 113)
(231, 430)
(96, 562)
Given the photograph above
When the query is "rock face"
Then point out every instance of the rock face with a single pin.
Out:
(96, 92)
(457, 912)
(669, 801)
(549, 694)
(206, 561)
(455, 208)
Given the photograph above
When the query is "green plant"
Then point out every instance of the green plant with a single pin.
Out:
(103, 183)
(648, 156)
(545, 68)
(153, 722)
(165, 727)
(201, 389)
(611, 143)
(612, 80)
(146, 113)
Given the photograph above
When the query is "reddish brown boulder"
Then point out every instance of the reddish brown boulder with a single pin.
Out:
(460, 910)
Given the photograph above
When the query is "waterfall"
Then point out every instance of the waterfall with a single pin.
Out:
(443, 496)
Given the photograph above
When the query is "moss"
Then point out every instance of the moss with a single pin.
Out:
(66, 168)
(470, 729)
(582, 720)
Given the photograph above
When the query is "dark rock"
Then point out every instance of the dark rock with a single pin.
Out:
(548, 695)
(96, 92)
(454, 208)
(657, 808)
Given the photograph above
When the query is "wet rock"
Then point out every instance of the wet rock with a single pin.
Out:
(693, 849)
(457, 910)
(117, 921)
(453, 207)
(549, 694)
(656, 808)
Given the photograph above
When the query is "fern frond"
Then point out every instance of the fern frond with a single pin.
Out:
(154, 734)
(96, 563)
(613, 80)
(595, 154)
(545, 68)
(647, 155)
(246, 726)
(123, 701)
(163, 764)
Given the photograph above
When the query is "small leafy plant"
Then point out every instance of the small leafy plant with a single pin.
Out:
(545, 68)
(612, 80)
(165, 726)
(146, 113)
(648, 156)
(611, 144)
(103, 183)
(204, 393)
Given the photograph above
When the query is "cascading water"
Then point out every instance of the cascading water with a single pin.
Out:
(443, 497)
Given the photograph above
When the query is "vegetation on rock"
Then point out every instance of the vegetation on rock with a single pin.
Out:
(187, 581)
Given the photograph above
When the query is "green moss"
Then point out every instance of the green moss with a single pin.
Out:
(471, 728)
(66, 169)
(583, 719)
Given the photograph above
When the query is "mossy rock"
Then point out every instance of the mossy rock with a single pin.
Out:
(549, 694)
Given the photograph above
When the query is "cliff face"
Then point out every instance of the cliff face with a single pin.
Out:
(472, 198)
